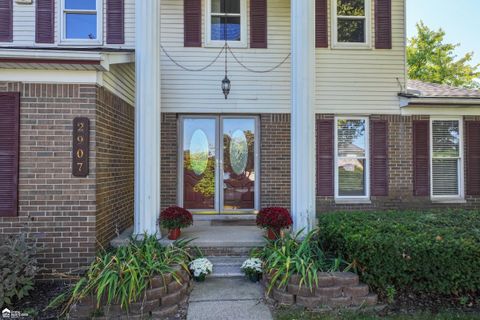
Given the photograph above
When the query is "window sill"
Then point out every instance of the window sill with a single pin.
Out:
(351, 47)
(353, 201)
(449, 200)
(220, 44)
(79, 43)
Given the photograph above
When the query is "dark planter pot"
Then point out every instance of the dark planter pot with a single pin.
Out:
(273, 234)
(200, 278)
(254, 277)
(174, 234)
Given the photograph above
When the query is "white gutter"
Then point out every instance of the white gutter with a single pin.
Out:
(105, 58)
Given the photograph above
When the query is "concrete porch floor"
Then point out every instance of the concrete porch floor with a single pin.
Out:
(208, 234)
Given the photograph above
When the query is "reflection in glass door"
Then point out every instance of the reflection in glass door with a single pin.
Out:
(219, 161)
(238, 164)
(199, 163)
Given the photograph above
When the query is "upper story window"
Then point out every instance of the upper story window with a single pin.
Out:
(226, 20)
(446, 159)
(351, 23)
(81, 21)
(352, 158)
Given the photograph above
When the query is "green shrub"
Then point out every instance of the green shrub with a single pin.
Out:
(430, 252)
(291, 255)
(122, 275)
(18, 267)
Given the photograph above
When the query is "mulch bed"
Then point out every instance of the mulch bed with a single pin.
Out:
(38, 300)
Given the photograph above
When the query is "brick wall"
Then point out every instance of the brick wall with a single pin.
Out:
(115, 165)
(275, 160)
(55, 208)
(169, 160)
(400, 156)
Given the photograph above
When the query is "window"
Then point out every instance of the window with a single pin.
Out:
(352, 158)
(226, 20)
(446, 158)
(81, 21)
(351, 23)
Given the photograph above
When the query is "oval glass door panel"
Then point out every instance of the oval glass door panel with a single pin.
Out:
(199, 163)
(238, 163)
(199, 152)
(238, 152)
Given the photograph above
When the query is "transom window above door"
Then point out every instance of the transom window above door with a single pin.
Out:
(226, 20)
(351, 23)
(81, 21)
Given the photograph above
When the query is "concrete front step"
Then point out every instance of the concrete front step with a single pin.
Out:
(227, 267)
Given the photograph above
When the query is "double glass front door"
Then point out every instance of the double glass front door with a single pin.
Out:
(218, 164)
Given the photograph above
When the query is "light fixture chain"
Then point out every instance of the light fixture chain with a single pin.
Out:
(258, 71)
(191, 69)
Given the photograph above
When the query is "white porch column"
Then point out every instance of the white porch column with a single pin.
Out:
(303, 117)
(147, 116)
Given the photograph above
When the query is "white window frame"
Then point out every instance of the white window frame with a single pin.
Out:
(368, 28)
(63, 25)
(366, 197)
(461, 183)
(220, 43)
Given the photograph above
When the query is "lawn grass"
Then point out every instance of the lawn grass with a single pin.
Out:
(347, 315)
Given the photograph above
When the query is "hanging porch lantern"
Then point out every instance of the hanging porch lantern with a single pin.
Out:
(226, 85)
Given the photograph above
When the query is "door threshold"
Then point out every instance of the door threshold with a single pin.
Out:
(230, 216)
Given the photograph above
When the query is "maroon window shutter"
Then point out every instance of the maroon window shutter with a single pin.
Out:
(115, 22)
(9, 149)
(473, 158)
(321, 24)
(44, 21)
(6, 20)
(325, 150)
(421, 158)
(192, 16)
(379, 158)
(383, 24)
(258, 23)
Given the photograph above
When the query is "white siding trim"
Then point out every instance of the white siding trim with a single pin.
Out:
(50, 76)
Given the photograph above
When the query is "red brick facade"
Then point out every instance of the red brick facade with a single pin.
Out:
(69, 216)
(275, 165)
(115, 165)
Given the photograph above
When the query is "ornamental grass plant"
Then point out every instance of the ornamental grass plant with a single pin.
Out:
(299, 256)
(122, 276)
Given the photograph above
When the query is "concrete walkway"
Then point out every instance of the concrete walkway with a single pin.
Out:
(227, 298)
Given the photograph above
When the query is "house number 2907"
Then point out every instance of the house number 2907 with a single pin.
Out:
(81, 151)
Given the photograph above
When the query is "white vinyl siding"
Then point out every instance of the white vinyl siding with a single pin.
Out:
(24, 26)
(446, 149)
(363, 81)
(200, 92)
(120, 80)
